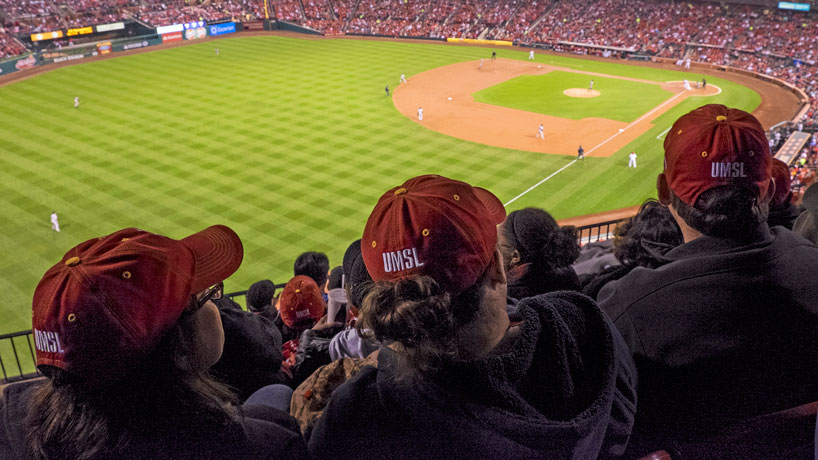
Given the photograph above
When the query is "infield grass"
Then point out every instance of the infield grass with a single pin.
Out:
(620, 100)
(290, 142)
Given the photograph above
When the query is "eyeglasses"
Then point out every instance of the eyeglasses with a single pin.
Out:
(212, 293)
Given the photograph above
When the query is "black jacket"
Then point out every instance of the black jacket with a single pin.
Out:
(527, 281)
(725, 331)
(312, 353)
(563, 387)
(259, 432)
(252, 350)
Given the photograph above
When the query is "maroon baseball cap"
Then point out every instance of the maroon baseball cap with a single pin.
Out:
(436, 226)
(713, 146)
(301, 302)
(106, 305)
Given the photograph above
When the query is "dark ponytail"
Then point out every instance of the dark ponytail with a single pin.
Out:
(540, 240)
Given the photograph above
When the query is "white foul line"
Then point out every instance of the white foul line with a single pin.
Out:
(636, 121)
(662, 134)
(598, 146)
(540, 182)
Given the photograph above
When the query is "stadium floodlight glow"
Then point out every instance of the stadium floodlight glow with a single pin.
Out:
(793, 6)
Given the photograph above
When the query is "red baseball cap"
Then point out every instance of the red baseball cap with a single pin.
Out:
(436, 226)
(106, 305)
(713, 146)
(301, 301)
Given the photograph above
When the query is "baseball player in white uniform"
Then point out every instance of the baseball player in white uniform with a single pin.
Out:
(403, 78)
(632, 160)
(531, 55)
(591, 86)
(55, 222)
(687, 64)
(687, 85)
(540, 134)
(76, 105)
(420, 113)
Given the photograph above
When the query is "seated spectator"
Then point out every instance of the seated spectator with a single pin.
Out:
(252, 350)
(261, 298)
(458, 380)
(807, 223)
(301, 306)
(125, 332)
(782, 211)
(641, 241)
(350, 343)
(537, 253)
(315, 265)
(728, 328)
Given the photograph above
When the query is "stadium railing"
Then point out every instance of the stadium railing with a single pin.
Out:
(17, 357)
(597, 232)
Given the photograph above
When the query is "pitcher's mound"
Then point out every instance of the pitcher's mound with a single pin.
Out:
(578, 92)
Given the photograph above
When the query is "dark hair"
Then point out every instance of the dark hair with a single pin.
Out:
(643, 239)
(312, 264)
(725, 211)
(260, 295)
(335, 276)
(425, 322)
(164, 396)
(540, 240)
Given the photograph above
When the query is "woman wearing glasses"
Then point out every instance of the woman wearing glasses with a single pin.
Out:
(125, 331)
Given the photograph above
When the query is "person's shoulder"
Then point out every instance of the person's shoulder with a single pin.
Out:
(271, 433)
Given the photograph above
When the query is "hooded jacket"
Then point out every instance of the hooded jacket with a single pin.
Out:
(527, 280)
(564, 389)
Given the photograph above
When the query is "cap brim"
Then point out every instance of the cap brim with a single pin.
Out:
(218, 253)
(493, 205)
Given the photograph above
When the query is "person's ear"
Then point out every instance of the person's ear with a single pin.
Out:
(496, 273)
(662, 189)
(770, 192)
(515, 259)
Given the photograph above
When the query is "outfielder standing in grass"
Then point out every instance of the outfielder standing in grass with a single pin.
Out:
(55, 222)
(76, 102)
(632, 160)
(387, 90)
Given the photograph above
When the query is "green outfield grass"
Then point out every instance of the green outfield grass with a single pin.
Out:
(544, 94)
(290, 142)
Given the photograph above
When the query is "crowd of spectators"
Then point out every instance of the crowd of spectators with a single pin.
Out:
(451, 316)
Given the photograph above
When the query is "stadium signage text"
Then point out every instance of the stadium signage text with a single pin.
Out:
(169, 29)
(173, 37)
(110, 27)
(46, 36)
(73, 57)
(193, 34)
(221, 29)
(793, 6)
(79, 31)
(131, 46)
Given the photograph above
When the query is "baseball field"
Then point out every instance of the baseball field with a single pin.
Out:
(291, 141)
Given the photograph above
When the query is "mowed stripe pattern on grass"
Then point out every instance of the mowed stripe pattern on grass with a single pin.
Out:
(288, 141)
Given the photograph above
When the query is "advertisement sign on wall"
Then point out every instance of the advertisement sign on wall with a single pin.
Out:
(193, 34)
(46, 36)
(793, 6)
(172, 37)
(79, 31)
(168, 29)
(104, 48)
(110, 27)
(221, 29)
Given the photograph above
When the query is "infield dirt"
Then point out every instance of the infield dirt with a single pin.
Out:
(464, 118)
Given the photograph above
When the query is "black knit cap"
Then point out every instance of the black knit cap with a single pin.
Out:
(358, 280)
